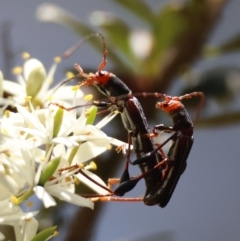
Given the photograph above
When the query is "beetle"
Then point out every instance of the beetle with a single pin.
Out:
(161, 172)
(173, 164)
(175, 161)
(133, 119)
(182, 141)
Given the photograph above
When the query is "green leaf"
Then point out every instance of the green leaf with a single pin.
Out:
(231, 45)
(44, 234)
(49, 170)
(171, 24)
(210, 51)
(139, 8)
(91, 115)
(57, 121)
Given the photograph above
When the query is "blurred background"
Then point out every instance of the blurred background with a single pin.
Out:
(174, 47)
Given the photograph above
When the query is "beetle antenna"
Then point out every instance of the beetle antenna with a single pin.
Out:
(75, 47)
(200, 105)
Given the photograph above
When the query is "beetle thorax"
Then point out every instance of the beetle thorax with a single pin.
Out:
(101, 78)
(169, 105)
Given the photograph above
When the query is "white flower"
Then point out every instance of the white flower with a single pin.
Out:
(24, 224)
(10, 181)
(61, 186)
(35, 82)
(68, 142)
(49, 148)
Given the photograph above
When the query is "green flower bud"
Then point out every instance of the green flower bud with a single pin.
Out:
(45, 234)
(50, 168)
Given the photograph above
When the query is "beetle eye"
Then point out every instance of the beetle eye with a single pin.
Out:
(165, 105)
(101, 73)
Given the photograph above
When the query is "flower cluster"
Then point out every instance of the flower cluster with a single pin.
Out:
(44, 147)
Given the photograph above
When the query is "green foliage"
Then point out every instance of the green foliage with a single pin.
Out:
(49, 170)
(58, 121)
(45, 234)
(232, 45)
(91, 115)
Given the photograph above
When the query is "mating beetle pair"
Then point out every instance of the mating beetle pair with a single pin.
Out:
(160, 171)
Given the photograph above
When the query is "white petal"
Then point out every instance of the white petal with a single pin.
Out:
(106, 120)
(49, 122)
(72, 125)
(59, 150)
(89, 150)
(87, 138)
(17, 216)
(17, 168)
(9, 183)
(47, 200)
(30, 118)
(47, 82)
(30, 157)
(29, 215)
(65, 93)
(37, 154)
(33, 132)
(15, 119)
(93, 130)
(9, 218)
(4, 206)
(67, 196)
(117, 142)
(30, 229)
(5, 193)
(4, 103)
(7, 207)
(2, 237)
(14, 88)
(92, 185)
(65, 141)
